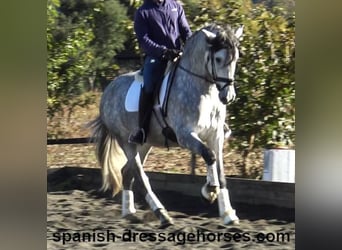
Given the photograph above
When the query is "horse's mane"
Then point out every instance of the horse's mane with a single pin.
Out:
(225, 39)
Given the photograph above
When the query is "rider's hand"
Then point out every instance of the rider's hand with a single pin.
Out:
(171, 54)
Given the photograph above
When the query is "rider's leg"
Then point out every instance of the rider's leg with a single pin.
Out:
(153, 73)
(145, 111)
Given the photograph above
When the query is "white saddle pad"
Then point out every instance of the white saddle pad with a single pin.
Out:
(133, 94)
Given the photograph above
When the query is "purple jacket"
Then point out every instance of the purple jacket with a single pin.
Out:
(161, 27)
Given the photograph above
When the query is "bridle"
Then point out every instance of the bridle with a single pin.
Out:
(214, 78)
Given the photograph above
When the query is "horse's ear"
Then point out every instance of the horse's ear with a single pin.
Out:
(210, 35)
(239, 31)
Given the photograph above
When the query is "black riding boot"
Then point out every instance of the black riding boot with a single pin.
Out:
(145, 112)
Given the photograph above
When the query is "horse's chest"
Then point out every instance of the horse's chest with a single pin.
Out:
(210, 115)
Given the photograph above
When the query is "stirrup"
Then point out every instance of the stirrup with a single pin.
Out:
(138, 137)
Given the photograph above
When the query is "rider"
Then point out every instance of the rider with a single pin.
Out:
(160, 27)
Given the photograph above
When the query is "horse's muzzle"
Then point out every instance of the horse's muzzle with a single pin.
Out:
(227, 100)
(227, 95)
(224, 100)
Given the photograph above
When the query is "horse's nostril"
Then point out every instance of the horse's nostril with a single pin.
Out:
(224, 100)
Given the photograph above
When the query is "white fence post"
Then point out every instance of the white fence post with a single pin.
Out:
(279, 165)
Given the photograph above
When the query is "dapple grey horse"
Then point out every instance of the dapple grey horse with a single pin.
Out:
(202, 85)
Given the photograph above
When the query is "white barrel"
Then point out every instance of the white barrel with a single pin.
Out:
(279, 165)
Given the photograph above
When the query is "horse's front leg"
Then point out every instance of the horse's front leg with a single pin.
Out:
(226, 211)
(192, 142)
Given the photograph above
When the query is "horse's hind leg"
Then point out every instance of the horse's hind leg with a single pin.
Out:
(133, 170)
(156, 206)
(127, 192)
(128, 172)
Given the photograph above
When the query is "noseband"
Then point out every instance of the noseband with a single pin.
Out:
(214, 78)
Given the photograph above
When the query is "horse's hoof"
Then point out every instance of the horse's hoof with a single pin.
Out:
(165, 219)
(132, 218)
(166, 224)
(229, 217)
(205, 201)
(210, 193)
(128, 213)
(212, 197)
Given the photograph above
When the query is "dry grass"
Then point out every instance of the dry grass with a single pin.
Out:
(176, 160)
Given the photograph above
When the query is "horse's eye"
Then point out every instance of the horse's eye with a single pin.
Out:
(218, 60)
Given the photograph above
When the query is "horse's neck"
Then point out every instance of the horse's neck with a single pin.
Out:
(189, 82)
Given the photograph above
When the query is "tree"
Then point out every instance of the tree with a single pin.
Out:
(264, 113)
(83, 37)
(69, 57)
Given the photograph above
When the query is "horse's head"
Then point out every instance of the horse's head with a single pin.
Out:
(220, 59)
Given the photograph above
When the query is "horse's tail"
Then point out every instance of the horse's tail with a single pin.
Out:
(109, 155)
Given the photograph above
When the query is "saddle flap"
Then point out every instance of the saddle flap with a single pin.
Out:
(133, 93)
